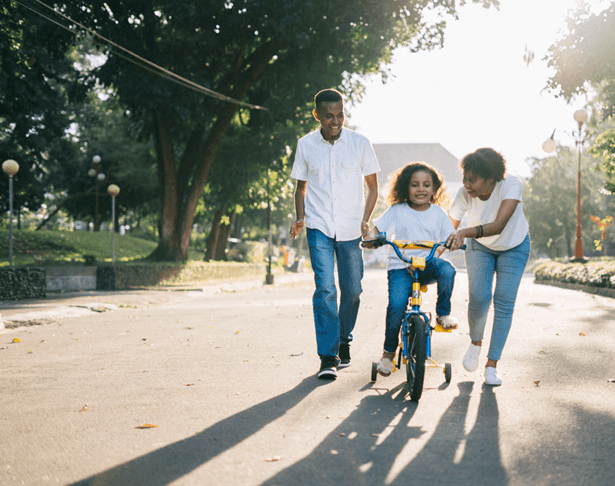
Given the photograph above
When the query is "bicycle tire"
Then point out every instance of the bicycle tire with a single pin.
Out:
(417, 355)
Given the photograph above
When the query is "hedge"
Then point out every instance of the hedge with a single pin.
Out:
(595, 273)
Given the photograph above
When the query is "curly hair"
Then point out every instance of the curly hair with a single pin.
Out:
(486, 163)
(400, 183)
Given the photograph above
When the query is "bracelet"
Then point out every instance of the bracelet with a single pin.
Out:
(479, 231)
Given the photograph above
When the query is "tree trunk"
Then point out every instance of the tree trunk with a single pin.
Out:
(223, 236)
(212, 240)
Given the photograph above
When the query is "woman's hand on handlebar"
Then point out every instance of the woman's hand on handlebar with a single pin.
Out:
(454, 241)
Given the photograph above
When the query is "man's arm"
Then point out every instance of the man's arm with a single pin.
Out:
(370, 203)
(297, 226)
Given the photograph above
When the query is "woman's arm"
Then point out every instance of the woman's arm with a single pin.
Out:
(505, 212)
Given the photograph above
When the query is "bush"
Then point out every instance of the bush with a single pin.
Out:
(599, 273)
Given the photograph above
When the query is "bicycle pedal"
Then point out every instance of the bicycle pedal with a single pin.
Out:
(439, 328)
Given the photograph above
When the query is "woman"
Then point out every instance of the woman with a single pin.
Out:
(498, 243)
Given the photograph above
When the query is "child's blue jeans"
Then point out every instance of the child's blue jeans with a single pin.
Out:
(400, 289)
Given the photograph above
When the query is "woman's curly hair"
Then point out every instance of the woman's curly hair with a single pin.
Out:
(486, 163)
(400, 183)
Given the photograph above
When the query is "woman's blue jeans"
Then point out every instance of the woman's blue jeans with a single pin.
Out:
(333, 326)
(400, 289)
(507, 266)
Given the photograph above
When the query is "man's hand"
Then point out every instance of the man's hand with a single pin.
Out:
(296, 228)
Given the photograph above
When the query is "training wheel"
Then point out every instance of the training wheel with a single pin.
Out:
(374, 371)
(448, 372)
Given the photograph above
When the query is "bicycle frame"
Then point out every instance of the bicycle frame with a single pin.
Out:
(414, 265)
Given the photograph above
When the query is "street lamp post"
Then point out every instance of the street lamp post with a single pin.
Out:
(580, 117)
(113, 191)
(10, 167)
(549, 145)
(96, 172)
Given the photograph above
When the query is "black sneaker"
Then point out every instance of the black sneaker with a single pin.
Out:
(328, 368)
(344, 356)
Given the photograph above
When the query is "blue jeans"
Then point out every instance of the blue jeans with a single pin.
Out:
(508, 266)
(333, 326)
(400, 289)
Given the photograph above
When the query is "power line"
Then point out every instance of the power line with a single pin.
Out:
(140, 61)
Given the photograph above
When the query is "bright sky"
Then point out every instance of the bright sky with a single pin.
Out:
(477, 91)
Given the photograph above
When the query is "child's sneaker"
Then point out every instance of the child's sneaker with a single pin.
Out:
(447, 322)
(385, 365)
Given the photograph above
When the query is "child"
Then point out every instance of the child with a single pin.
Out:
(416, 192)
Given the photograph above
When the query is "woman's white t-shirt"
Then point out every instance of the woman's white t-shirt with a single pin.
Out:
(483, 212)
(402, 222)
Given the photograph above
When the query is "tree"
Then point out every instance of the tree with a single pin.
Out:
(35, 79)
(270, 53)
(550, 202)
(585, 57)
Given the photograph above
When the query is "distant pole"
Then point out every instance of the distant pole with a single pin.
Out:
(96, 172)
(269, 278)
(113, 191)
(580, 117)
(10, 167)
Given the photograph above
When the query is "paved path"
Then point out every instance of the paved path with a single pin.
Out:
(228, 379)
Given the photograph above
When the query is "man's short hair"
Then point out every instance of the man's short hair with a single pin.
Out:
(327, 96)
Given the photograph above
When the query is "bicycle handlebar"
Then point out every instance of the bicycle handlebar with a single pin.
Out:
(381, 240)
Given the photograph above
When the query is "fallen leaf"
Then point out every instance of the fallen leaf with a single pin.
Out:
(189, 384)
(537, 383)
(146, 426)
(581, 334)
(274, 458)
(16, 340)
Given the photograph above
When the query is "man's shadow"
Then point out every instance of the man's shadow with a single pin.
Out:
(167, 464)
(377, 432)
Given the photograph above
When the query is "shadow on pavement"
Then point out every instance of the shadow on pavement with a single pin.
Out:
(169, 463)
(377, 433)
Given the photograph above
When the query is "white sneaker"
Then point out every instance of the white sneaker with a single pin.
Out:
(448, 323)
(491, 377)
(385, 365)
(470, 360)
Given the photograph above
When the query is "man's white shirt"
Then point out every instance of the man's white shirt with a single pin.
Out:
(334, 199)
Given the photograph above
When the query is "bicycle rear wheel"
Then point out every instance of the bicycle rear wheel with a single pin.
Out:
(416, 345)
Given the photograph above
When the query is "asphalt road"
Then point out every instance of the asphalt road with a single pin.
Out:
(228, 380)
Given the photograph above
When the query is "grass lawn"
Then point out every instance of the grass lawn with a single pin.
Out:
(56, 248)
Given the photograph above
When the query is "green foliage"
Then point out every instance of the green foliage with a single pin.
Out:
(586, 54)
(35, 80)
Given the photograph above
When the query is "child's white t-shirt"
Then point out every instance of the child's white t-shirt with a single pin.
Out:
(484, 212)
(401, 222)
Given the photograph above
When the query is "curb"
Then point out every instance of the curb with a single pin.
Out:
(602, 291)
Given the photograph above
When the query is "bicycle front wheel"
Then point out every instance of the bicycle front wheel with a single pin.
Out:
(416, 345)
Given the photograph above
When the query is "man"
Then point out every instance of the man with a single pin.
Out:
(330, 166)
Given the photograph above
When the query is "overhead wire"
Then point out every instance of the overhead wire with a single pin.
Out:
(140, 61)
